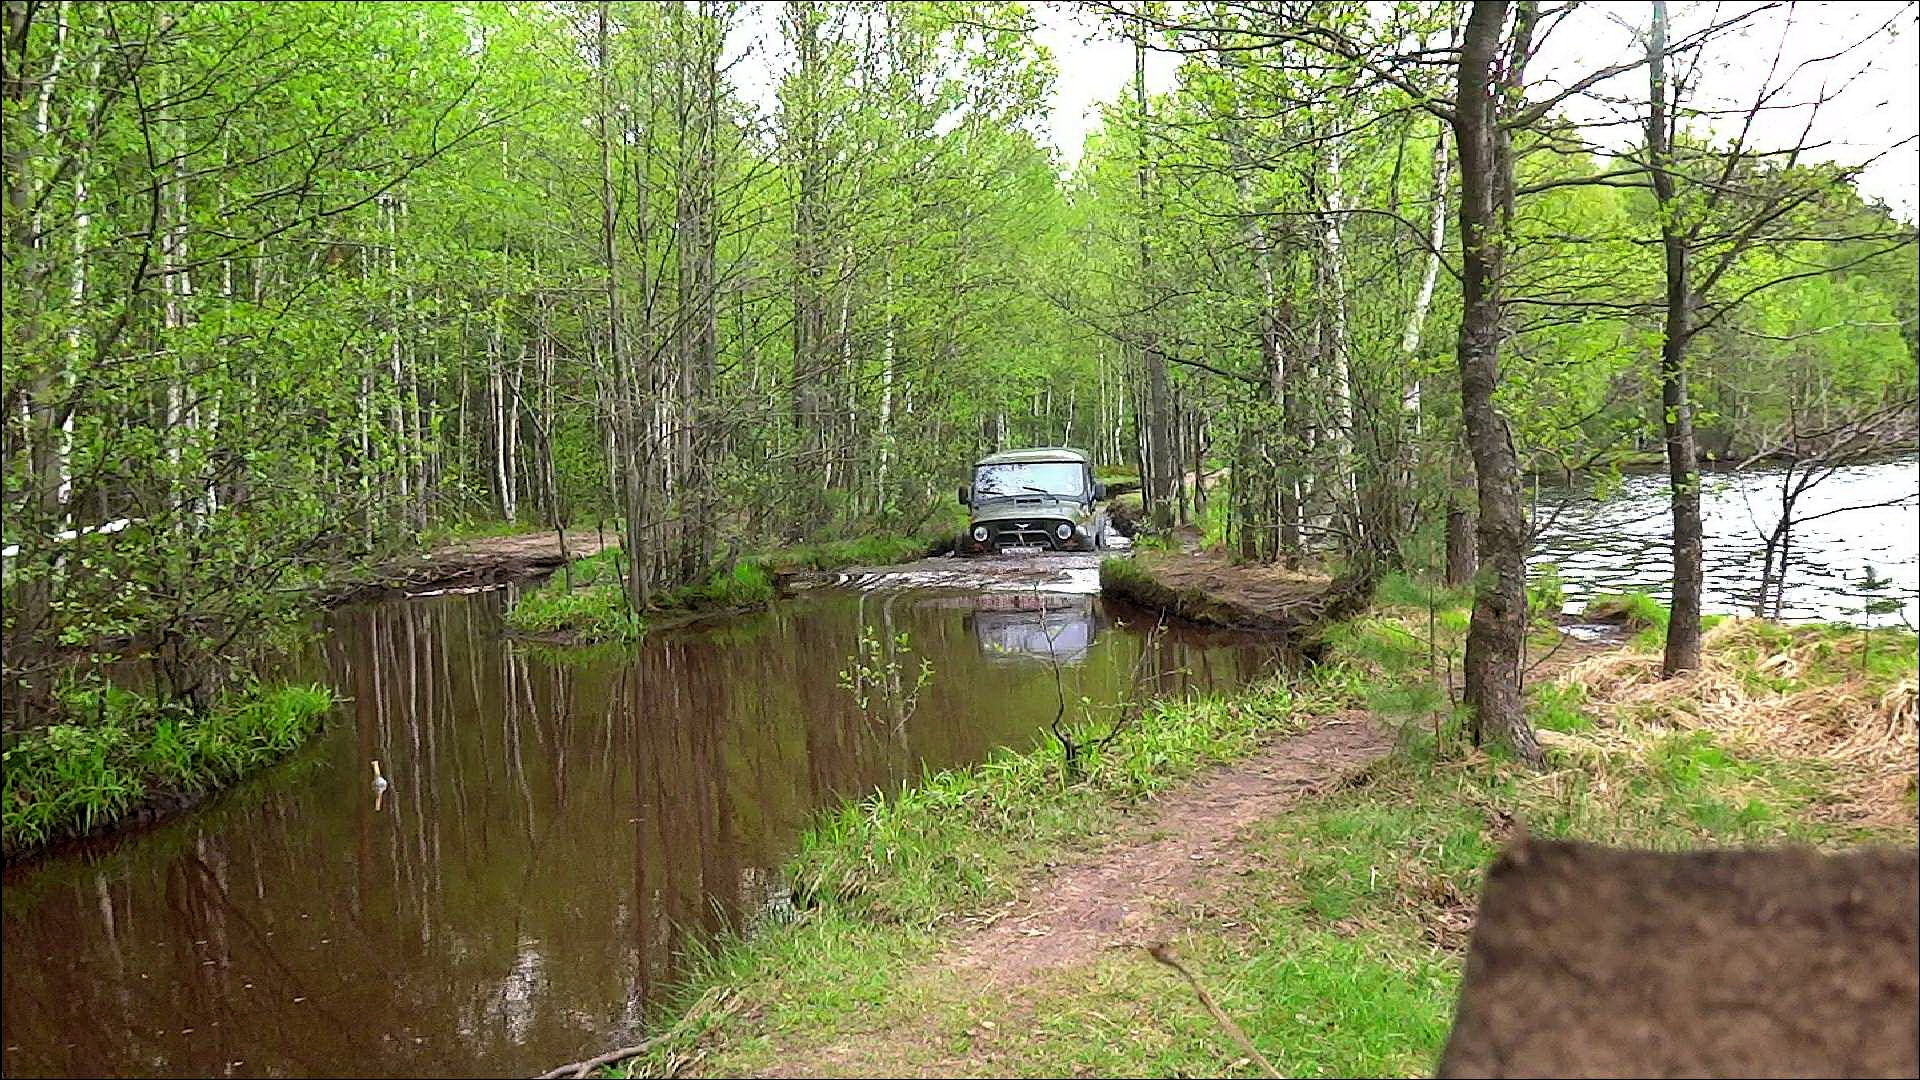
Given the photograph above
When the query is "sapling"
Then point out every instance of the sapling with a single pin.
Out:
(1873, 601)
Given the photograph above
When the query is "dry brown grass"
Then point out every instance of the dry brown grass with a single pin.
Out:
(1801, 691)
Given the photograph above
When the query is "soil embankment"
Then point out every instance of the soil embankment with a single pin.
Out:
(1188, 847)
(470, 564)
(1192, 838)
(1207, 588)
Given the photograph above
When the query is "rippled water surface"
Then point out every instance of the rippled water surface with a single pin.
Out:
(1861, 515)
(560, 825)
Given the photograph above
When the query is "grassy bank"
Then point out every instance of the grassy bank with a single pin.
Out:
(588, 605)
(122, 752)
(879, 882)
(1337, 944)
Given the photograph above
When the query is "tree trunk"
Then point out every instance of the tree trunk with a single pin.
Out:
(698, 326)
(1422, 301)
(803, 119)
(625, 418)
(1463, 559)
(1333, 343)
(1160, 458)
(1683, 628)
(1498, 629)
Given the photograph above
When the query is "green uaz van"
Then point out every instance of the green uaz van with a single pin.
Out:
(1037, 500)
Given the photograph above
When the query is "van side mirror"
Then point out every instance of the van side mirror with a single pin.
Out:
(1099, 490)
(964, 493)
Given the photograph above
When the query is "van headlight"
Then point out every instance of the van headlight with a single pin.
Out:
(979, 534)
(1065, 530)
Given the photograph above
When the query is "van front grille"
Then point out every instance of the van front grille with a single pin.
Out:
(1025, 534)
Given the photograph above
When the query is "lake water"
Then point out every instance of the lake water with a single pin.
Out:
(1871, 517)
(561, 824)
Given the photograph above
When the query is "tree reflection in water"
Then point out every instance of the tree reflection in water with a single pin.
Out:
(561, 823)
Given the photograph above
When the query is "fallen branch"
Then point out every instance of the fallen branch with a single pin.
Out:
(715, 1003)
(1164, 954)
(611, 1057)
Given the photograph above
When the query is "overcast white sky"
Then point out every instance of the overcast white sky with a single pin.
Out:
(1878, 107)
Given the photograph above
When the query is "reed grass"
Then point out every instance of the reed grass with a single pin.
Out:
(120, 749)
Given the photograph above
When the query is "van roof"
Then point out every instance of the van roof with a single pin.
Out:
(1041, 453)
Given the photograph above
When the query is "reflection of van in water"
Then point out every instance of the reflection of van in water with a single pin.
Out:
(1041, 500)
(1059, 629)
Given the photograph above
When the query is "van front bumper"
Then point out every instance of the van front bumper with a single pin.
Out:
(1042, 534)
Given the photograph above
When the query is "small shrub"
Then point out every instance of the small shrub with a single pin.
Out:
(1558, 707)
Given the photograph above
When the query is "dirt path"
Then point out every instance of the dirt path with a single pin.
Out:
(471, 564)
(1111, 901)
(1124, 895)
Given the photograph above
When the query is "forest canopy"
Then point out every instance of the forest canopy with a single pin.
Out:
(290, 286)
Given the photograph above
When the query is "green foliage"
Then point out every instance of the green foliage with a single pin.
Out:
(1558, 707)
(1877, 598)
(1402, 590)
(874, 674)
(875, 550)
(1546, 599)
(123, 747)
(748, 584)
(596, 609)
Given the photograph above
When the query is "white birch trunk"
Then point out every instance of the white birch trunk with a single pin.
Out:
(1416, 319)
(886, 398)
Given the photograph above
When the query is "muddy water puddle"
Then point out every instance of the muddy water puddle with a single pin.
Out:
(560, 827)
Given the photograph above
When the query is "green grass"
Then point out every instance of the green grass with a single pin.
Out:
(453, 532)
(123, 748)
(588, 613)
(1336, 945)
(860, 551)
(595, 610)
(959, 838)
(1399, 590)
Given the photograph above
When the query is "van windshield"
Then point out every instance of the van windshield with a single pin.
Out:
(1066, 478)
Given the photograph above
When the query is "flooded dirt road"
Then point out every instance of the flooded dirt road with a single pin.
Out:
(561, 825)
(1068, 573)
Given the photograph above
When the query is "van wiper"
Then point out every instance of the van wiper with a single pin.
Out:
(1023, 487)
